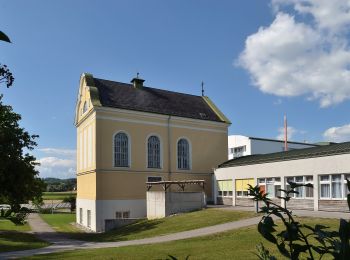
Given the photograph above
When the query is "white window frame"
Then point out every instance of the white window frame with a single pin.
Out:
(304, 181)
(88, 218)
(81, 216)
(227, 192)
(160, 153)
(274, 182)
(129, 150)
(330, 181)
(189, 155)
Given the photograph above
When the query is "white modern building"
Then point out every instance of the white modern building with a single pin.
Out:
(326, 167)
(240, 145)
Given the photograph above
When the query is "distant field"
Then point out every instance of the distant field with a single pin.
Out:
(58, 195)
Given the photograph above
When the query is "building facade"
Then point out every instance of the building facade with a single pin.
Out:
(326, 167)
(128, 134)
(240, 145)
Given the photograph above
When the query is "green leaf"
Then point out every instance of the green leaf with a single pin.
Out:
(4, 37)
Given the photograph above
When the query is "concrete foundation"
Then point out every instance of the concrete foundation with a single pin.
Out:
(161, 204)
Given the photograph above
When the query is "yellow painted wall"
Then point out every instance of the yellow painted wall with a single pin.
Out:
(86, 186)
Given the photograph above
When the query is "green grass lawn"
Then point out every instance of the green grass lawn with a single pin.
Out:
(235, 244)
(7, 225)
(61, 222)
(149, 228)
(12, 237)
(58, 195)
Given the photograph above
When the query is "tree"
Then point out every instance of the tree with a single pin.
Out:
(5, 74)
(72, 201)
(19, 180)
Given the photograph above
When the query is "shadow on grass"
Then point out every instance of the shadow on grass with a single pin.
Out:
(119, 234)
(14, 241)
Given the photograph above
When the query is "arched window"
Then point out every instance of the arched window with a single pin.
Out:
(85, 107)
(153, 151)
(121, 150)
(183, 154)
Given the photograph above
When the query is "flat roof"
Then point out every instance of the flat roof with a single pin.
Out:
(304, 153)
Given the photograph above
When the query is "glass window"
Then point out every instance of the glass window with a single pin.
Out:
(183, 155)
(126, 214)
(89, 218)
(121, 150)
(277, 191)
(300, 190)
(346, 190)
(325, 190)
(324, 177)
(153, 151)
(336, 186)
(80, 215)
(85, 107)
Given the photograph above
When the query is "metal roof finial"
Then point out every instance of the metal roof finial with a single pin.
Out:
(202, 88)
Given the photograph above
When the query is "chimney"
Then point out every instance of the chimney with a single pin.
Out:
(137, 82)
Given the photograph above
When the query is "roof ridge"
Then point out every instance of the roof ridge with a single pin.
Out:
(165, 90)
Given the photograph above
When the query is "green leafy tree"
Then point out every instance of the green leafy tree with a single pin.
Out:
(293, 241)
(72, 201)
(19, 180)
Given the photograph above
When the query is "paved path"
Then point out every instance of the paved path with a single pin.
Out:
(45, 232)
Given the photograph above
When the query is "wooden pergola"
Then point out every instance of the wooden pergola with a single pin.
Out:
(182, 184)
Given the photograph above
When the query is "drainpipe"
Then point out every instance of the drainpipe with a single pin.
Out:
(169, 149)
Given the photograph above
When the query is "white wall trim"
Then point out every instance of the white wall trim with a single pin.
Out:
(158, 124)
(160, 116)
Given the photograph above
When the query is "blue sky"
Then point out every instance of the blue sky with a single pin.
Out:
(258, 59)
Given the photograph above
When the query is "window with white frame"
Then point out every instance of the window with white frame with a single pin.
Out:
(121, 150)
(241, 186)
(153, 151)
(333, 186)
(122, 214)
(80, 216)
(271, 186)
(238, 151)
(346, 191)
(303, 192)
(88, 218)
(183, 154)
(224, 188)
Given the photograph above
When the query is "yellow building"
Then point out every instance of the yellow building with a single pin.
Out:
(128, 134)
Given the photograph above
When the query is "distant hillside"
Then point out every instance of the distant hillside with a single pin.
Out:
(54, 184)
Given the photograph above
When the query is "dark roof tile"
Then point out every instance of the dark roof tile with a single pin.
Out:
(125, 96)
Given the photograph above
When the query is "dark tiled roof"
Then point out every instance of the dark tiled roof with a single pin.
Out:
(319, 151)
(125, 96)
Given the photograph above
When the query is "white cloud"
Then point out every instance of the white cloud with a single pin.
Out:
(304, 53)
(58, 151)
(61, 163)
(291, 131)
(338, 133)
